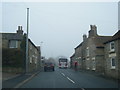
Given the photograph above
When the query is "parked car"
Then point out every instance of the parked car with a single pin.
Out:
(49, 66)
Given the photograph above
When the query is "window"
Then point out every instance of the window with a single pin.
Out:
(30, 60)
(13, 44)
(87, 51)
(113, 63)
(35, 61)
(112, 46)
(30, 47)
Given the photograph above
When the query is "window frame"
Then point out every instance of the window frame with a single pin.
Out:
(87, 52)
(111, 61)
(16, 44)
(112, 47)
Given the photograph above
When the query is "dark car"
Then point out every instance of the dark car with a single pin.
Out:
(48, 66)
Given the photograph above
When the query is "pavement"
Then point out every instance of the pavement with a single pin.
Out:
(16, 80)
(7, 76)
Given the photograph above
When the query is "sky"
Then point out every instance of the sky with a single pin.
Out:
(58, 27)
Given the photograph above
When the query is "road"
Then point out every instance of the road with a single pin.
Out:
(68, 78)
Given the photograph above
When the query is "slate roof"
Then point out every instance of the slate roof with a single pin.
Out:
(33, 44)
(72, 55)
(116, 36)
(12, 36)
(100, 40)
(79, 45)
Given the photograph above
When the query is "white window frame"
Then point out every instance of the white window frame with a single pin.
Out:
(112, 46)
(94, 63)
(16, 44)
(111, 61)
(87, 51)
(30, 60)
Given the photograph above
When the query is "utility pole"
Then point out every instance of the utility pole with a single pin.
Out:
(27, 40)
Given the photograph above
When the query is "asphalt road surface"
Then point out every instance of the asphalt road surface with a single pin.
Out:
(68, 78)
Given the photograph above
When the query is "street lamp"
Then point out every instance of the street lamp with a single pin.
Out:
(27, 40)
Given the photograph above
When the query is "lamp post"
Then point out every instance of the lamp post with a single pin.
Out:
(27, 40)
(41, 54)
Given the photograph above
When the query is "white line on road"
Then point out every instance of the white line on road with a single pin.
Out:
(82, 88)
(63, 74)
(70, 80)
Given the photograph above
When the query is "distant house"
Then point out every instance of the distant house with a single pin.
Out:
(78, 56)
(112, 56)
(16, 42)
(72, 58)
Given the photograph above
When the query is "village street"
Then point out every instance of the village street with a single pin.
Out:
(65, 78)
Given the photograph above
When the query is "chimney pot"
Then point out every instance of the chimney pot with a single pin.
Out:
(20, 31)
(18, 27)
(21, 28)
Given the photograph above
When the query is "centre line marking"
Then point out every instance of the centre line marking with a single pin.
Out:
(70, 80)
(63, 74)
(82, 88)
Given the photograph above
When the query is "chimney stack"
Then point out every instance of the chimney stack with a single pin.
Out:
(93, 31)
(84, 37)
(20, 31)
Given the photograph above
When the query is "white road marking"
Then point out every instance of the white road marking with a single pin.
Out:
(82, 88)
(63, 74)
(70, 80)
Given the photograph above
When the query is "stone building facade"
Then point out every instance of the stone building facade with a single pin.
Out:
(14, 41)
(33, 56)
(95, 50)
(78, 56)
(72, 58)
(91, 51)
(112, 56)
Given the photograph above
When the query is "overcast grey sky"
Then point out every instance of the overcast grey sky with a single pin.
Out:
(60, 26)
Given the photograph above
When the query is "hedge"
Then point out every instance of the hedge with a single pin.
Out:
(13, 58)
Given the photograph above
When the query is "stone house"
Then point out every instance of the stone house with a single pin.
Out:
(84, 45)
(72, 58)
(90, 52)
(112, 56)
(13, 41)
(94, 50)
(78, 56)
(33, 56)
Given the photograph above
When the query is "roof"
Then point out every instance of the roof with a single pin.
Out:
(116, 36)
(79, 45)
(12, 36)
(34, 45)
(16, 36)
(100, 40)
(72, 55)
